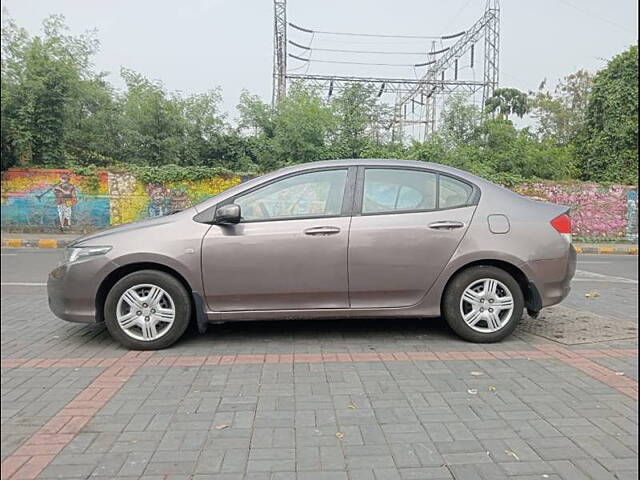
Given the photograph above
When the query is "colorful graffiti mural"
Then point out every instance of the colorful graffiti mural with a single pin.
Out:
(600, 212)
(54, 199)
(132, 200)
(48, 199)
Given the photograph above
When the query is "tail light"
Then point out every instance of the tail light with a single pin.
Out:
(562, 224)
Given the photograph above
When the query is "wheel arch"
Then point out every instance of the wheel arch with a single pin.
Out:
(532, 299)
(110, 280)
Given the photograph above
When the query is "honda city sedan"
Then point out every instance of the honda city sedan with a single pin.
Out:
(334, 239)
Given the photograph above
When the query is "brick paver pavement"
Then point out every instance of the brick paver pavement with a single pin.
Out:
(343, 400)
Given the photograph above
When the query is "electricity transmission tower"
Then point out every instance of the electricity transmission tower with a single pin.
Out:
(450, 67)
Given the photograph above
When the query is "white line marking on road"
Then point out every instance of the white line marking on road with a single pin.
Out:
(597, 280)
(8, 254)
(22, 284)
(598, 277)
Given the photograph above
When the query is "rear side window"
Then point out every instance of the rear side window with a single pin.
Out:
(453, 193)
(388, 190)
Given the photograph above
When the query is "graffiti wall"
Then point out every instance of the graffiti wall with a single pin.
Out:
(53, 199)
(57, 199)
(597, 212)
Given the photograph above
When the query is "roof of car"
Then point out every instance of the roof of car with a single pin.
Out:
(384, 162)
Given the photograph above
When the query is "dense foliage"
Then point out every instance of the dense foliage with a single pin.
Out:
(58, 111)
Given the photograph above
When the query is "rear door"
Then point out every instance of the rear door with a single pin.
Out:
(407, 225)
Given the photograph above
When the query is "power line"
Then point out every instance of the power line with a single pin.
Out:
(595, 15)
(353, 63)
(354, 34)
(339, 50)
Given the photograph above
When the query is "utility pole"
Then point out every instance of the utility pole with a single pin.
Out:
(491, 71)
(279, 50)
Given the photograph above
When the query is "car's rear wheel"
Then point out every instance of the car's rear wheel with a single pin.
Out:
(147, 310)
(483, 304)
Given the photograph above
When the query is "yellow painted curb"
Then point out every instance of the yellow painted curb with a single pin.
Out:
(578, 249)
(47, 243)
(606, 250)
(13, 242)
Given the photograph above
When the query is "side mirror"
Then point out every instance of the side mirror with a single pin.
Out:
(227, 214)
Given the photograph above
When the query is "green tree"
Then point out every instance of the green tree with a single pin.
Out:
(561, 114)
(608, 144)
(360, 121)
(44, 80)
(460, 121)
(507, 101)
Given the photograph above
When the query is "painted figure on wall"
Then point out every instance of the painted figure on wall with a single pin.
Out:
(158, 200)
(179, 199)
(65, 197)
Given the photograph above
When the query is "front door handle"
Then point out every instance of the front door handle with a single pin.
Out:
(446, 225)
(321, 231)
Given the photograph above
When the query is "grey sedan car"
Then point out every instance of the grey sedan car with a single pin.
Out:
(333, 239)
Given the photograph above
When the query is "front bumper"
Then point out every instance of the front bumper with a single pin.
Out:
(72, 288)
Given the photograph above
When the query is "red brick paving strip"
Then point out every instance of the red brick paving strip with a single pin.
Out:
(607, 376)
(37, 452)
(543, 351)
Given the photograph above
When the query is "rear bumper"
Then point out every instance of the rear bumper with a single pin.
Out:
(72, 289)
(552, 277)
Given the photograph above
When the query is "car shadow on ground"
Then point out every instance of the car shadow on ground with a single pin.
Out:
(282, 336)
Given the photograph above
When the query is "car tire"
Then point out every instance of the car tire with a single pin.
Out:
(483, 331)
(173, 297)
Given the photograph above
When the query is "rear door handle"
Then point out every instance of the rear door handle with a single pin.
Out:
(446, 225)
(321, 231)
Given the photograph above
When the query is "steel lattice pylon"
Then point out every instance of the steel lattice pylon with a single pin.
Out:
(279, 50)
(440, 80)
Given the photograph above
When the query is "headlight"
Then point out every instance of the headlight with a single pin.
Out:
(77, 253)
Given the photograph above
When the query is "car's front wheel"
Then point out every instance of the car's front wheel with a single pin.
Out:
(483, 304)
(147, 310)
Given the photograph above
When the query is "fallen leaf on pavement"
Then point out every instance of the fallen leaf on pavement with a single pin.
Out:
(592, 294)
(512, 454)
(339, 435)
(472, 391)
(619, 373)
(477, 374)
(352, 406)
(222, 427)
(492, 388)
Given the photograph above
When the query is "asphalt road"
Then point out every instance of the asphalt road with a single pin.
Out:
(611, 281)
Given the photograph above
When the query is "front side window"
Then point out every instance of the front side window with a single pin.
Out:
(315, 194)
(389, 190)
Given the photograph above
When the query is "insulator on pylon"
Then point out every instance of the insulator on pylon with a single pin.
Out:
(330, 88)
(455, 75)
(381, 90)
(472, 47)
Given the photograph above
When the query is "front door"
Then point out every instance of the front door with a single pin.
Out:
(288, 253)
(410, 224)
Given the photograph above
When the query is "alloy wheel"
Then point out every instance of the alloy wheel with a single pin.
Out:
(486, 305)
(145, 312)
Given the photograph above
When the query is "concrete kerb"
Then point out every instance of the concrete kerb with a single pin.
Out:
(35, 243)
(46, 242)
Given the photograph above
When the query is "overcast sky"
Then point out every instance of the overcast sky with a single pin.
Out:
(194, 45)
